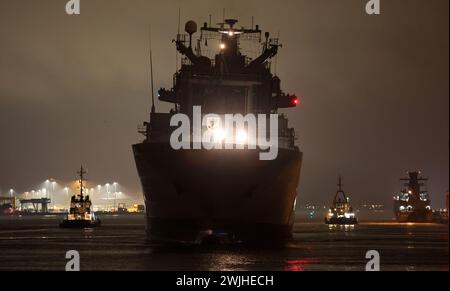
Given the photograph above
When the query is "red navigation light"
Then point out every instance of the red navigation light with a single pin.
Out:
(295, 100)
(288, 101)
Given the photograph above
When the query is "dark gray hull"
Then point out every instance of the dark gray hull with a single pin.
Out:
(419, 216)
(193, 192)
(420, 213)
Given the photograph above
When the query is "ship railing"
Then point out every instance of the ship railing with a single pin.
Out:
(214, 35)
(274, 42)
(248, 60)
(142, 129)
(185, 62)
(183, 38)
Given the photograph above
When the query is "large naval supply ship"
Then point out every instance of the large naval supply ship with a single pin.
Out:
(195, 194)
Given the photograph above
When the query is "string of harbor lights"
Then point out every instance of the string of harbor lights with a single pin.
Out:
(104, 196)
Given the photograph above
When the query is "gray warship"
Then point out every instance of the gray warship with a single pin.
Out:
(193, 195)
(413, 203)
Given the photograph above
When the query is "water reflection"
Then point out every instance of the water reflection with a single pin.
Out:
(229, 262)
(121, 244)
(299, 265)
(346, 228)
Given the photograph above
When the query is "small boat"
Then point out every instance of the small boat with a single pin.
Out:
(341, 213)
(80, 214)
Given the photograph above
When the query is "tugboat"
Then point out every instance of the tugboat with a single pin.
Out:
(80, 213)
(341, 213)
(195, 193)
(413, 203)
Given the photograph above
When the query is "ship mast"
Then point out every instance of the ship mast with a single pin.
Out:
(340, 191)
(81, 173)
(340, 184)
(151, 74)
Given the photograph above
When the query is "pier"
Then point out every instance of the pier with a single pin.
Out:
(44, 202)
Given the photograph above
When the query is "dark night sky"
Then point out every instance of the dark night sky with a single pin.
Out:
(374, 89)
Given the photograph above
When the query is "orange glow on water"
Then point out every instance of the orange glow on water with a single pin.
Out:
(299, 265)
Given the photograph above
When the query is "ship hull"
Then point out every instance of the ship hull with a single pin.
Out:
(80, 223)
(191, 193)
(416, 216)
(420, 214)
(341, 221)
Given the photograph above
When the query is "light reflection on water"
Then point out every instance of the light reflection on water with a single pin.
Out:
(299, 265)
(229, 262)
(121, 245)
(345, 227)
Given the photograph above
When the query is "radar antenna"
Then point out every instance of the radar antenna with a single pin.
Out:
(81, 172)
(151, 74)
(340, 183)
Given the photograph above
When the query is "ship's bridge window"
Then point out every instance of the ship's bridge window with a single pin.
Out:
(404, 197)
(424, 196)
(220, 99)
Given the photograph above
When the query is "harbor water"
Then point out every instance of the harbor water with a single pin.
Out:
(37, 243)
